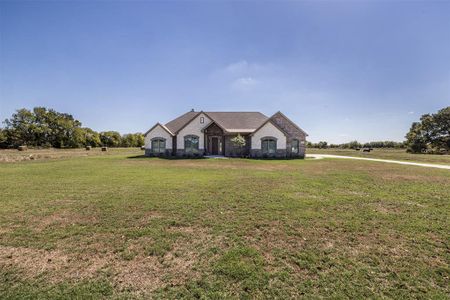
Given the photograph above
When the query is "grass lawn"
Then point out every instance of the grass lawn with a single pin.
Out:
(395, 154)
(119, 226)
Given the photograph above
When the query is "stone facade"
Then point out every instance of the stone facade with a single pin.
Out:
(214, 131)
(293, 133)
(151, 153)
(257, 153)
(232, 151)
(180, 153)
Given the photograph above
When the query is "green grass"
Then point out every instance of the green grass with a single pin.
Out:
(395, 154)
(117, 226)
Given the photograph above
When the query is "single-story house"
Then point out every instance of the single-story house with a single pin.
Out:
(211, 133)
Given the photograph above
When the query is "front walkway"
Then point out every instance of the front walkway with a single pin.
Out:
(320, 156)
(215, 156)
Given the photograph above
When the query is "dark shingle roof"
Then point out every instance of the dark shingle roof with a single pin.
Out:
(178, 123)
(230, 121)
(238, 121)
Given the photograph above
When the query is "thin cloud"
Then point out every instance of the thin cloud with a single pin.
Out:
(243, 68)
(244, 83)
(237, 67)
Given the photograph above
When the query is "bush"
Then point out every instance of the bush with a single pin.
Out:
(431, 134)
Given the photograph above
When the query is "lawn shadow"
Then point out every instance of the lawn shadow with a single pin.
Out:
(166, 157)
(137, 156)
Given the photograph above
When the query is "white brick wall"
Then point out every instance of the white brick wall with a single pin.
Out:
(268, 130)
(158, 131)
(193, 128)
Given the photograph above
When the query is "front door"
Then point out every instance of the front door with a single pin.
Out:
(215, 146)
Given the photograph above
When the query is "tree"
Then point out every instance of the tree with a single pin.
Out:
(322, 144)
(92, 138)
(20, 127)
(438, 129)
(239, 142)
(132, 140)
(415, 139)
(140, 139)
(128, 140)
(431, 134)
(3, 138)
(110, 138)
(43, 127)
(354, 145)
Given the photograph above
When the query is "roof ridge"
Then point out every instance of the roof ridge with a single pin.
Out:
(234, 112)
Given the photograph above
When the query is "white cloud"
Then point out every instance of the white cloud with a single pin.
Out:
(244, 83)
(410, 113)
(243, 68)
(237, 67)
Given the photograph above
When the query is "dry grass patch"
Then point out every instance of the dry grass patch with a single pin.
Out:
(387, 208)
(36, 262)
(140, 273)
(11, 156)
(61, 218)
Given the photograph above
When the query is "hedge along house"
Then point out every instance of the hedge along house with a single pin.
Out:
(195, 134)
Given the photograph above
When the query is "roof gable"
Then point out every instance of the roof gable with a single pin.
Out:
(160, 125)
(269, 120)
(212, 123)
(279, 114)
(177, 124)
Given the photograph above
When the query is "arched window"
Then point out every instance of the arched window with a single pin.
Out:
(191, 144)
(295, 146)
(269, 145)
(158, 145)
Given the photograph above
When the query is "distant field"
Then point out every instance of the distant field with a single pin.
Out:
(396, 154)
(52, 153)
(117, 225)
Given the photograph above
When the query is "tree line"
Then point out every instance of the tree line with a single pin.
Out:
(42, 127)
(358, 145)
(430, 135)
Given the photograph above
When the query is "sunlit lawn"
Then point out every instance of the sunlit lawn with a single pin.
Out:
(120, 226)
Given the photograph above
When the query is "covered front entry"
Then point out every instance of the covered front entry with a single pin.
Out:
(214, 145)
(214, 140)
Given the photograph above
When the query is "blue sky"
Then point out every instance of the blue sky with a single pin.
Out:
(341, 70)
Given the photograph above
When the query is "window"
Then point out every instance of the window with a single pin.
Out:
(158, 145)
(295, 146)
(202, 120)
(191, 144)
(269, 145)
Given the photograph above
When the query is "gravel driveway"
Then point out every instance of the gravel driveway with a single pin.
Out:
(320, 156)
